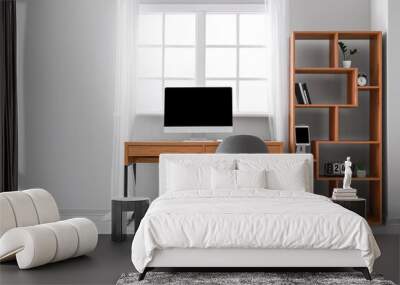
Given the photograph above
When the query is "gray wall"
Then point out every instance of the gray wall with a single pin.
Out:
(392, 111)
(329, 14)
(66, 86)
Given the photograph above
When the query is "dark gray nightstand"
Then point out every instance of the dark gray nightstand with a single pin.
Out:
(120, 206)
(358, 205)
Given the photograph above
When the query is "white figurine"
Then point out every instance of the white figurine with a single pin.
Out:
(347, 174)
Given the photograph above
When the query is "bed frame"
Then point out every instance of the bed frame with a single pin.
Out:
(245, 258)
(242, 259)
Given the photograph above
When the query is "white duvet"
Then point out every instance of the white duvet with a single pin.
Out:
(250, 219)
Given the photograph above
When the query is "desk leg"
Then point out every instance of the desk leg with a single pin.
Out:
(126, 180)
(134, 172)
(134, 178)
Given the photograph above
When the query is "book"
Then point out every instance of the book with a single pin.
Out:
(307, 93)
(344, 198)
(341, 190)
(303, 93)
(299, 95)
(345, 194)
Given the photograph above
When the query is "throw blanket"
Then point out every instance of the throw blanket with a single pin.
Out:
(251, 218)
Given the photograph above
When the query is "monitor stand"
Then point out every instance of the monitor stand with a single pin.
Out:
(198, 137)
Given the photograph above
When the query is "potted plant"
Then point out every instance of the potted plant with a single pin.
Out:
(346, 52)
(360, 171)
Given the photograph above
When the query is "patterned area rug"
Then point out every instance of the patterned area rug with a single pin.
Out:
(243, 278)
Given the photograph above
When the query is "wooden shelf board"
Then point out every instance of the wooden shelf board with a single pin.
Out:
(335, 178)
(358, 35)
(342, 35)
(314, 35)
(345, 142)
(366, 88)
(306, 106)
(324, 70)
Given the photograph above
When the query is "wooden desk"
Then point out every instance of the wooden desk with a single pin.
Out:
(149, 152)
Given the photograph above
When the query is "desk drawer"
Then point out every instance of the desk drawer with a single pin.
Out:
(211, 148)
(275, 148)
(156, 150)
(272, 148)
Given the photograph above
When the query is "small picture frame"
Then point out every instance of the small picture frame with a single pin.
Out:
(302, 138)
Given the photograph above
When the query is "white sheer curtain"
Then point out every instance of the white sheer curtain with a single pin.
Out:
(124, 98)
(278, 43)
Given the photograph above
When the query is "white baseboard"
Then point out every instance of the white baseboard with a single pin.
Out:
(102, 218)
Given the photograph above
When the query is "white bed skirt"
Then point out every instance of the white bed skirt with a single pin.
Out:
(178, 257)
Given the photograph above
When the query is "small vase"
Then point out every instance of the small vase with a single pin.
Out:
(346, 63)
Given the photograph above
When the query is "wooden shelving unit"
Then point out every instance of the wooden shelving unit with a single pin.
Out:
(374, 91)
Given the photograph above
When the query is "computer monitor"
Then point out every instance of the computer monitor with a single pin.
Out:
(198, 110)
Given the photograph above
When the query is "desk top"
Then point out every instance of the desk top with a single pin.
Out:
(149, 151)
(187, 142)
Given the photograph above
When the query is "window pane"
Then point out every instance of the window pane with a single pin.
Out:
(253, 96)
(149, 62)
(150, 29)
(221, 62)
(252, 62)
(220, 29)
(180, 62)
(149, 96)
(180, 83)
(225, 83)
(252, 29)
(180, 29)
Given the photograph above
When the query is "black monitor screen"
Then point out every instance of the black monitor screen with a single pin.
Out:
(198, 107)
(302, 135)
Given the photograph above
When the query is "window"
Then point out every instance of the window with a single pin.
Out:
(200, 47)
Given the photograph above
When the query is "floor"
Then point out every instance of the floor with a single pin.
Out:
(111, 259)
(103, 266)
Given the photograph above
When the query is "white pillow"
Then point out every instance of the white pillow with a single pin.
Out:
(237, 179)
(251, 178)
(182, 177)
(293, 180)
(281, 174)
(223, 179)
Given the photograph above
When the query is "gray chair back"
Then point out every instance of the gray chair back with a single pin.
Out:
(242, 144)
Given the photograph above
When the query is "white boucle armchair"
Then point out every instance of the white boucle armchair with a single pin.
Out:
(32, 233)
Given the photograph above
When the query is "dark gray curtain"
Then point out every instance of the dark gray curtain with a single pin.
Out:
(8, 97)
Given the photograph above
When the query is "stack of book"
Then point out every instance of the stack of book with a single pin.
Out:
(344, 194)
(302, 94)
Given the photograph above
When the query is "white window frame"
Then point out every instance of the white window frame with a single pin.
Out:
(200, 11)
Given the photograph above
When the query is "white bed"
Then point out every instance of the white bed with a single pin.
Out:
(198, 222)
